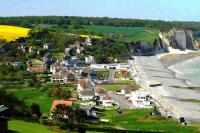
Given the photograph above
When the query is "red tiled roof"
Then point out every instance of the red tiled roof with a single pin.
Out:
(106, 98)
(100, 91)
(57, 102)
(85, 83)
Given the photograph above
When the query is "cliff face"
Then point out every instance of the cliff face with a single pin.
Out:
(177, 39)
(167, 41)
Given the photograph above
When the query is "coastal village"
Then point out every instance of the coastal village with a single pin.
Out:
(73, 82)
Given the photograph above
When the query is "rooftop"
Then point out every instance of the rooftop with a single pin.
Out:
(57, 102)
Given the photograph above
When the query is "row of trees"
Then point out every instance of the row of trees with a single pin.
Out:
(64, 21)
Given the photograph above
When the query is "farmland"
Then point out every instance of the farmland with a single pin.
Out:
(127, 33)
(10, 33)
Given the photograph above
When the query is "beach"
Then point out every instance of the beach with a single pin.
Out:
(173, 96)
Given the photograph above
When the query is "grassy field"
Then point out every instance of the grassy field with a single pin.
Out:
(35, 96)
(131, 33)
(112, 87)
(10, 33)
(140, 120)
(28, 127)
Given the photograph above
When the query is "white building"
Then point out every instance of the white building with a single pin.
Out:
(117, 66)
(90, 59)
(100, 92)
(86, 95)
(140, 99)
(85, 85)
(107, 101)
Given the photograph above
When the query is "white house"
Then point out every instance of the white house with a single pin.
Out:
(88, 41)
(85, 84)
(107, 101)
(86, 94)
(126, 90)
(117, 66)
(90, 59)
(55, 67)
(140, 99)
(100, 92)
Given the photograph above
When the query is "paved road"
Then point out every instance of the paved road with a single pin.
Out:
(111, 75)
(123, 103)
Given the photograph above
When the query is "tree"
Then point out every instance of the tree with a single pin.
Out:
(35, 110)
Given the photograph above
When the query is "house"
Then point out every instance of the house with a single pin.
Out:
(36, 66)
(48, 46)
(63, 76)
(63, 112)
(48, 59)
(90, 111)
(4, 114)
(126, 90)
(90, 59)
(67, 51)
(88, 41)
(100, 92)
(57, 102)
(141, 99)
(2, 50)
(86, 94)
(106, 101)
(55, 67)
(85, 84)
(27, 49)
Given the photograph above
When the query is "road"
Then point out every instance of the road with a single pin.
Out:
(111, 75)
(123, 103)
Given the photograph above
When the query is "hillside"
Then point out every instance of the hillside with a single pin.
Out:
(10, 33)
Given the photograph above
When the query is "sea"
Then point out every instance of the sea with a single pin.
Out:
(188, 70)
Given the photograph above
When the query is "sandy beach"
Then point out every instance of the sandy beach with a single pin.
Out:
(173, 96)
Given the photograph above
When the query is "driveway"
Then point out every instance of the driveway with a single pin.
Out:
(123, 103)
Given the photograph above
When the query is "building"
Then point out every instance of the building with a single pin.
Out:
(90, 60)
(54, 108)
(117, 66)
(67, 52)
(106, 101)
(36, 66)
(126, 90)
(85, 84)
(4, 113)
(88, 41)
(86, 94)
(48, 46)
(141, 99)
(55, 67)
(63, 76)
(100, 92)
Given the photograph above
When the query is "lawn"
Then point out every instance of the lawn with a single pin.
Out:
(131, 33)
(112, 87)
(36, 96)
(10, 33)
(28, 127)
(140, 120)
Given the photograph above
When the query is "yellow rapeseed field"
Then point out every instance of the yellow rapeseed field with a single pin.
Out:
(97, 37)
(10, 33)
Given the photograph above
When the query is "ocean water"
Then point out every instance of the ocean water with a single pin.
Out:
(188, 70)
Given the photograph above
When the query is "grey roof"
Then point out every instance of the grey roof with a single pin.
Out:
(3, 108)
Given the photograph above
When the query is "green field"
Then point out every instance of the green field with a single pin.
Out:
(28, 127)
(35, 96)
(140, 120)
(131, 33)
(112, 87)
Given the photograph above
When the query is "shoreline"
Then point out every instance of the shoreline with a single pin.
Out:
(183, 60)
(150, 70)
